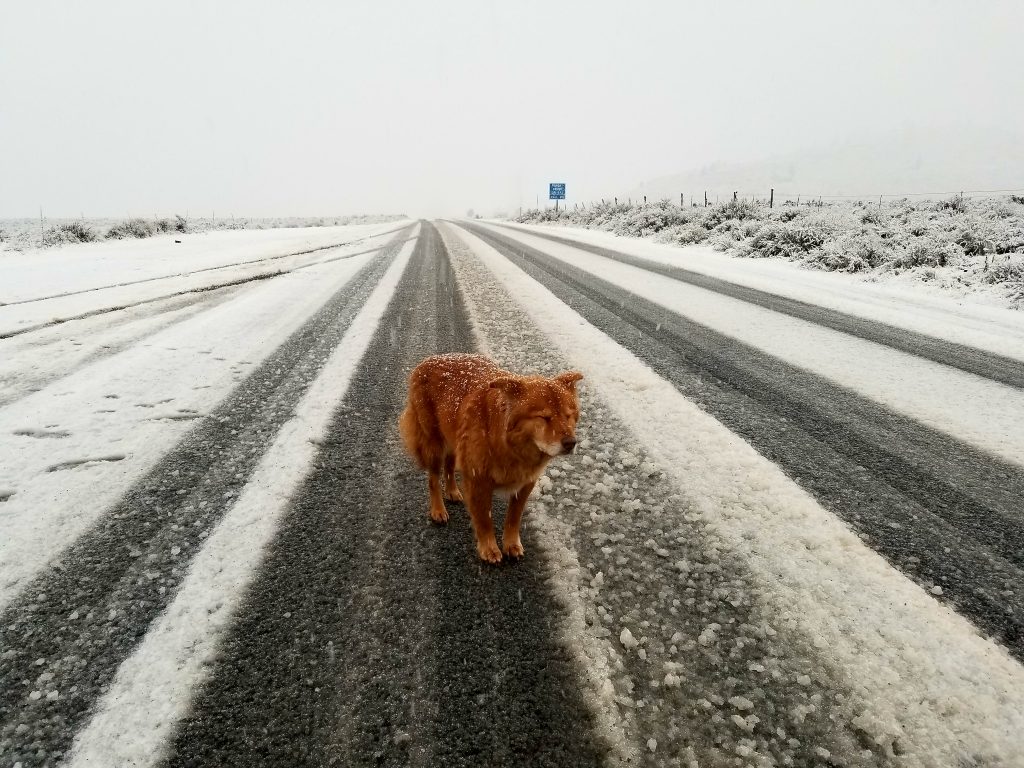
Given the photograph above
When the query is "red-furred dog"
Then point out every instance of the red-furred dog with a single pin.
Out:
(499, 430)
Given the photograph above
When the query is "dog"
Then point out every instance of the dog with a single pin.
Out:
(497, 429)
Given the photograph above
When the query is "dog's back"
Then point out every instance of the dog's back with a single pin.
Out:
(437, 387)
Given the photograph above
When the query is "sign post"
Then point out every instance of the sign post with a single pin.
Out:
(556, 192)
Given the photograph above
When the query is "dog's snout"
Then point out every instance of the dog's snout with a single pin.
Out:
(569, 444)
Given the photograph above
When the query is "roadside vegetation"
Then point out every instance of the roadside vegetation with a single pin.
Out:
(958, 242)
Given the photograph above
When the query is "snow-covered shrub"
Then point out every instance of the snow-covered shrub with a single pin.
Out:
(971, 240)
(689, 234)
(788, 240)
(929, 251)
(953, 205)
(180, 223)
(74, 232)
(131, 228)
(650, 218)
(851, 252)
(733, 209)
(1006, 270)
(873, 215)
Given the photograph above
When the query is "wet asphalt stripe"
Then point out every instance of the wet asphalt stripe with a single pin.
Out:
(64, 636)
(370, 636)
(941, 511)
(970, 359)
(200, 289)
(199, 271)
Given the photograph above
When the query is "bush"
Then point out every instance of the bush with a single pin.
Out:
(651, 218)
(180, 223)
(75, 232)
(971, 241)
(851, 252)
(787, 240)
(689, 234)
(733, 209)
(953, 205)
(929, 252)
(131, 228)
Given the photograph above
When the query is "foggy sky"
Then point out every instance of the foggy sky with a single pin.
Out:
(325, 108)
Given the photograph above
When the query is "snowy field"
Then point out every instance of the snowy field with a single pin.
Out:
(33, 234)
(791, 534)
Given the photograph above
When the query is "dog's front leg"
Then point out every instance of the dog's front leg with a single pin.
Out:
(478, 495)
(510, 542)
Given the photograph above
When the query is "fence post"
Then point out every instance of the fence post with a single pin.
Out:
(681, 204)
(734, 196)
(771, 200)
(645, 198)
(705, 198)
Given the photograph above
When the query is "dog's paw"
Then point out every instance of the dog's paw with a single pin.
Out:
(439, 516)
(453, 493)
(489, 553)
(513, 549)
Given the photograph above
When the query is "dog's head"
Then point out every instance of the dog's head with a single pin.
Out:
(540, 411)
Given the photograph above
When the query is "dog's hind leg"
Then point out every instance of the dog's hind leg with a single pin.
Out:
(451, 488)
(511, 544)
(437, 511)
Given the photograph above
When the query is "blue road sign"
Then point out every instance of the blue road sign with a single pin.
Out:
(556, 191)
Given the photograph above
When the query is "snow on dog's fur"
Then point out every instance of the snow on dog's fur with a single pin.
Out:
(498, 429)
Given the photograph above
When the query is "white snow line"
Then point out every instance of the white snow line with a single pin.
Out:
(931, 681)
(153, 686)
(987, 414)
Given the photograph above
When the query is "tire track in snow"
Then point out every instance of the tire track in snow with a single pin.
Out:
(979, 362)
(65, 634)
(941, 511)
(204, 269)
(198, 289)
(36, 362)
(371, 637)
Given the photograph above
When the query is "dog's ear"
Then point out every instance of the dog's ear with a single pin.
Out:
(511, 386)
(569, 379)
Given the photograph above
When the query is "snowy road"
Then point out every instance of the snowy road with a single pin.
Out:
(792, 534)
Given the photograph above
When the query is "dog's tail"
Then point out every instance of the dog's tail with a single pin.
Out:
(419, 443)
(412, 435)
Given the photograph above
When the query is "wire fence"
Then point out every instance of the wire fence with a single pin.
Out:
(801, 198)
